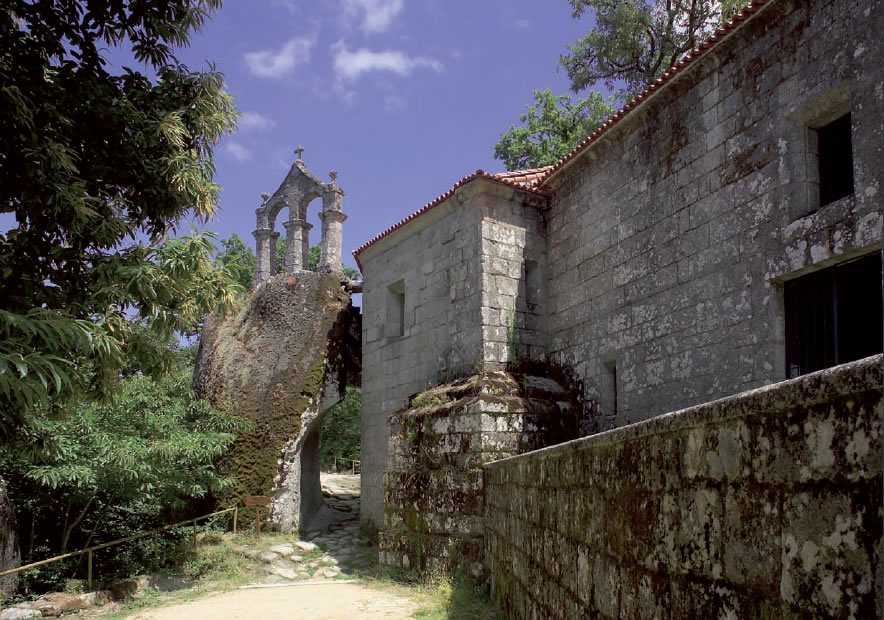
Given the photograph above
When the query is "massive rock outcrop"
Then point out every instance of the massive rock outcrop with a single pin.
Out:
(282, 362)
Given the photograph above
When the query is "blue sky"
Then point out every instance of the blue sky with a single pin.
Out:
(401, 97)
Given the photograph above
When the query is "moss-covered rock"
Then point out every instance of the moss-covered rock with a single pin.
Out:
(281, 362)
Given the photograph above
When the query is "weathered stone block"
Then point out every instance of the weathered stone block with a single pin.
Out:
(752, 528)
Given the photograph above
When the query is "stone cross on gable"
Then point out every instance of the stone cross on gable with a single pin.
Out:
(299, 151)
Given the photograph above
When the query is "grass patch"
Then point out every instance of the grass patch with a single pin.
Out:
(218, 565)
(458, 597)
(439, 597)
(152, 598)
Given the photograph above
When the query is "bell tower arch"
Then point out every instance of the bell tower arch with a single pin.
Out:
(299, 188)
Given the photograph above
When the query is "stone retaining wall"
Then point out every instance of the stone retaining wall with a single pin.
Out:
(434, 504)
(764, 504)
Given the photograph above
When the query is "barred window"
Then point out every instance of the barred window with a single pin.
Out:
(834, 315)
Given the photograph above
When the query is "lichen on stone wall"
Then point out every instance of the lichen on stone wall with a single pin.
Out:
(766, 501)
(433, 489)
(270, 364)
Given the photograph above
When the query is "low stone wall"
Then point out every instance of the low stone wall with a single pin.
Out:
(764, 504)
(434, 510)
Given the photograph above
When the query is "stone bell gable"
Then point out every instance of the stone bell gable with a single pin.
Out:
(299, 188)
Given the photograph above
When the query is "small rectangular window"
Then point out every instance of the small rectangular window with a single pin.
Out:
(533, 285)
(395, 324)
(608, 390)
(834, 316)
(835, 156)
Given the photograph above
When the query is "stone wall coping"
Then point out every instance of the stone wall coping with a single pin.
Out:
(822, 386)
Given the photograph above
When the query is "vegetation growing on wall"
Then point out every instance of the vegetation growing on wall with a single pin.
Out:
(270, 364)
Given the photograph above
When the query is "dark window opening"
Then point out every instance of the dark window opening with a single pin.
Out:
(533, 285)
(835, 155)
(395, 324)
(834, 316)
(610, 389)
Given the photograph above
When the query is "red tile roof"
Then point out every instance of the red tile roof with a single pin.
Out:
(689, 59)
(533, 180)
(520, 179)
(525, 178)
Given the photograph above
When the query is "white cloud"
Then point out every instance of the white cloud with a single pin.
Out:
(275, 64)
(288, 5)
(350, 65)
(375, 15)
(237, 151)
(255, 120)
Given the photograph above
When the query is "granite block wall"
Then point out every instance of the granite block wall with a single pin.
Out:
(457, 272)
(434, 504)
(435, 270)
(513, 268)
(767, 503)
(670, 238)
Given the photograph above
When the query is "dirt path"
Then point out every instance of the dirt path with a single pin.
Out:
(334, 529)
(310, 601)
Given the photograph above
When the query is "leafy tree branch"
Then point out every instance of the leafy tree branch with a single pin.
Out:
(550, 128)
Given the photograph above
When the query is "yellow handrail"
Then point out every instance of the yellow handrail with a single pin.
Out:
(353, 464)
(153, 532)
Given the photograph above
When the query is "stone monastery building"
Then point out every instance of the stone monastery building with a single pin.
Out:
(720, 233)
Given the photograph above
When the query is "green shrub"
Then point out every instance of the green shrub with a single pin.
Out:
(341, 430)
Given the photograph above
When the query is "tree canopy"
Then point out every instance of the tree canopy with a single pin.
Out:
(341, 431)
(635, 41)
(97, 170)
(154, 442)
(550, 128)
(238, 259)
(632, 43)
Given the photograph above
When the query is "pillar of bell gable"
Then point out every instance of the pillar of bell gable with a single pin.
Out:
(332, 240)
(263, 254)
(274, 266)
(296, 233)
(332, 218)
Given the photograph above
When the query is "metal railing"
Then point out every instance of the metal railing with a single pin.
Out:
(153, 532)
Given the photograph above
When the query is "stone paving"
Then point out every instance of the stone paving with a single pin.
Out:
(332, 547)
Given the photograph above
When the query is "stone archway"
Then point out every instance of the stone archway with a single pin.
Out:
(299, 188)
(297, 494)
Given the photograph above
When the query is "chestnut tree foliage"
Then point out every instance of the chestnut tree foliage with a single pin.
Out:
(154, 444)
(98, 169)
(631, 44)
